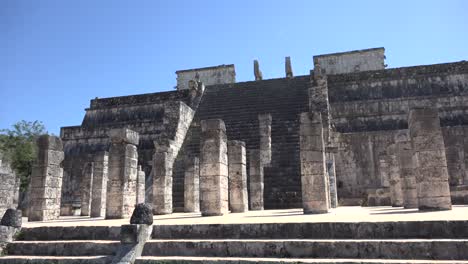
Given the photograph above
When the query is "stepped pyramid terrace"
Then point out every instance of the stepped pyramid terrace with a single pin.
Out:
(352, 163)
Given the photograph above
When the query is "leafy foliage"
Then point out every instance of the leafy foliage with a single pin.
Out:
(18, 147)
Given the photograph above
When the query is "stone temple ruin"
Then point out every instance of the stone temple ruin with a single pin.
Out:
(350, 133)
(355, 132)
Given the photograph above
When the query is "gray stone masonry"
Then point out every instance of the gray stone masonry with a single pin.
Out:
(264, 125)
(12, 217)
(396, 191)
(192, 185)
(332, 180)
(86, 188)
(256, 180)
(313, 171)
(141, 186)
(428, 144)
(238, 197)
(122, 182)
(213, 168)
(288, 67)
(408, 171)
(100, 175)
(163, 161)
(46, 180)
(9, 187)
(257, 73)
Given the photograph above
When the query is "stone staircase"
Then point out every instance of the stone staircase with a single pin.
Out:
(408, 242)
(385, 242)
(67, 245)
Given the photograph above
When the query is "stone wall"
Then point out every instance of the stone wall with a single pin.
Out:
(151, 115)
(352, 61)
(9, 187)
(209, 76)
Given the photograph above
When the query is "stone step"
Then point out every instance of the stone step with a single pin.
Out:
(438, 249)
(330, 230)
(214, 260)
(63, 248)
(70, 233)
(56, 260)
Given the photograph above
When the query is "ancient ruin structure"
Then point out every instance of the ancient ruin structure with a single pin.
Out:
(99, 186)
(238, 197)
(46, 180)
(9, 187)
(213, 168)
(123, 173)
(368, 152)
(192, 185)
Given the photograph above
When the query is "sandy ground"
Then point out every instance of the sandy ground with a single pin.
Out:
(340, 214)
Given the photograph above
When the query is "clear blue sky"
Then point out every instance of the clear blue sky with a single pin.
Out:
(57, 55)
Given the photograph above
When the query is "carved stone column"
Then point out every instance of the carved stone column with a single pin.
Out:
(86, 188)
(46, 180)
(192, 185)
(123, 171)
(313, 171)
(238, 197)
(213, 168)
(99, 194)
(428, 144)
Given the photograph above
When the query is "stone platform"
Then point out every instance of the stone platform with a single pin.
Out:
(340, 214)
(345, 235)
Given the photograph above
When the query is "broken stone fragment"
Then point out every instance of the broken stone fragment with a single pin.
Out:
(143, 214)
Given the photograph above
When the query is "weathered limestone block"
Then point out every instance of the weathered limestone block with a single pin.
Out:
(428, 144)
(141, 190)
(332, 179)
(46, 180)
(213, 168)
(395, 181)
(265, 138)
(163, 161)
(408, 170)
(288, 67)
(122, 177)
(9, 187)
(256, 180)
(313, 170)
(192, 185)
(238, 197)
(12, 217)
(86, 188)
(100, 175)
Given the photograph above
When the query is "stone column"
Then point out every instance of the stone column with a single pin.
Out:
(396, 191)
(46, 180)
(99, 194)
(332, 179)
(428, 144)
(192, 185)
(141, 190)
(122, 183)
(264, 125)
(408, 171)
(256, 180)
(238, 197)
(163, 161)
(86, 188)
(213, 168)
(313, 171)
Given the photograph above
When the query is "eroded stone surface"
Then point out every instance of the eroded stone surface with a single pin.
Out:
(238, 197)
(428, 144)
(46, 180)
(143, 214)
(122, 178)
(313, 171)
(100, 177)
(213, 168)
(192, 185)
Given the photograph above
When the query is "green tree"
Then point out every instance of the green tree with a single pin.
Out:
(18, 146)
